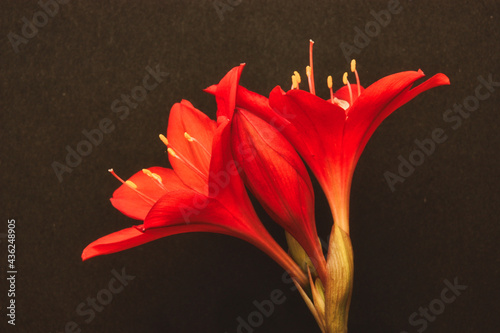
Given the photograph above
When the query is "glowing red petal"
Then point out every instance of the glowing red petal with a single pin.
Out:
(278, 178)
(377, 102)
(185, 118)
(225, 94)
(133, 236)
(316, 128)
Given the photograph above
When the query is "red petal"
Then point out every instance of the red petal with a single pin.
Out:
(196, 212)
(226, 93)
(377, 102)
(343, 93)
(133, 236)
(278, 178)
(136, 206)
(317, 128)
(185, 118)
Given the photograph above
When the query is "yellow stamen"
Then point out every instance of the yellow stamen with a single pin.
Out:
(329, 82)
(131, 184)
(163, 139)
(295, 83)
(191, 139)
(297, 75)
(172, 152)
(348, 86)
(156, 177)
(188, 137)
(184, 160)
(353, 69)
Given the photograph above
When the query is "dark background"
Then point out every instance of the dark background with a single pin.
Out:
(441, 223)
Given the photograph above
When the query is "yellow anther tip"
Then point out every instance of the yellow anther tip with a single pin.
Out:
(294, 82)
(131, 184)
(329, 82)
(147, 172)
(344, 79)
(163, 139)
(297, 75)
(156, 176)
(308, 71)
(188, 137)
(171, 152)
(353, 65)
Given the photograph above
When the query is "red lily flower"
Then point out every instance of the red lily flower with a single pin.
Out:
(331, 134)
(203, 193)
(272, 170)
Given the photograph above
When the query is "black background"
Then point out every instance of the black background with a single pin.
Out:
(441, 223)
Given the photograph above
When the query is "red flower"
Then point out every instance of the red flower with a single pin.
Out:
(331, 134)
(203, 192)
(272, 170)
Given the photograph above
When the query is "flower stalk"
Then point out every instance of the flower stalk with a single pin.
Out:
(338, 289)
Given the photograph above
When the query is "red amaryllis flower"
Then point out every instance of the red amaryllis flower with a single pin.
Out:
(272, 170)
(331, 134)
(203, 193)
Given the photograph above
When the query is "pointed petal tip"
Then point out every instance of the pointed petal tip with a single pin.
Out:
(211, 90)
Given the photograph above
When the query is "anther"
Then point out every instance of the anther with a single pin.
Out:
(131, 184)
(329, 82)
(163, 139)
(172, 152)
(297, 75)
(156, 177)
(295, 83)
(188, 137)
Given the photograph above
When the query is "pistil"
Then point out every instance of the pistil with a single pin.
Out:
(310, 71)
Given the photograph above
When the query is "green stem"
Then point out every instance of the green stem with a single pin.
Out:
(338, 288)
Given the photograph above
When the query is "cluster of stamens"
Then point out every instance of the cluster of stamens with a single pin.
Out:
(156, 178)
(172, 151)
(310, 79)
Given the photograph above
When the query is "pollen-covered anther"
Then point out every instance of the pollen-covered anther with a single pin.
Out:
(163, 139)
(153, 175)
(297, 75)
(172, 153)
(295, 83)
(131, 184)
(188, 137)
(329, 82)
